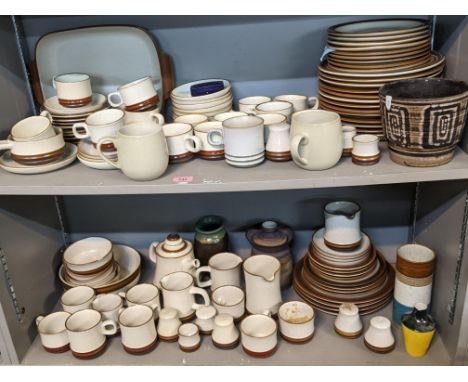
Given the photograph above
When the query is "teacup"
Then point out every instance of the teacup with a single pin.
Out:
(221, 117)
(138, 329)
(138, 95)
(365, 149)
(348, 134)
(54, 336)
(248, 104)
(230, 300)
(225, 334)
(178, 292)
(348, 323)
(33, 128)
(143, 294)
(180, 142)
(189, 337)
(205, 319)
(208, 151)
(192, 119)
(87, 333)
(143, 116)
(141, 150)
(168, 325)
(73, 89)
(77, 298)
(278, 107)
(103, 123)
(224, 269)
(379, 337)
(299, 102)
(108, 305)
(259, 335)
(296, 321)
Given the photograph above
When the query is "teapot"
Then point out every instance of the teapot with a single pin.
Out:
(172, 255)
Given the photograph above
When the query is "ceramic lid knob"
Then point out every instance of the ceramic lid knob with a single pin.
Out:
(174, 243)
(380, 322)
(349, 309)
(269, 226)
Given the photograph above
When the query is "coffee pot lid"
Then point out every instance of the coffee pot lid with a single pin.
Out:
(269, 235)
(173, 246)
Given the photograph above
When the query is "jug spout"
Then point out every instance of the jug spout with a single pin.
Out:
(263, 266)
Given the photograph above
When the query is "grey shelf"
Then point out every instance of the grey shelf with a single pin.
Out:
(321, 350)
(218, 176)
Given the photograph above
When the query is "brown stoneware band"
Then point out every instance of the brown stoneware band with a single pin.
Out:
(188, 318)
(366, 161)
(180, 158)
(379, 350)
(106, 146)
(91, 354)
(75, 102)
(346, 334)
(61, 349)
(143, 105)
(143, 350)
(342, 246)
(211, 154)
(297, 340)
(205, 332)
(264, 354)
(169, 339)
(416, 270)
(91, 272)
(247, 313)
(347, 152)
(190, 349)
(278, 156)
(38, 158)
(232, 345)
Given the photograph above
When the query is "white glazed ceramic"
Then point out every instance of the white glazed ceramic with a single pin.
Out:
(270, 119)
(316, 139)
(178, 292)
(348, 133)
(224, 269)
(379, 334)
(31, 147)
(168, 324)
(189, 337)
(221, 117)
(172, 255)
(248, 104)
(103, 123)
(137, 328)
(51, 328)
(259, 335)
(365, 145)
(77, 298)
(133, 93)
(180, 139)
(205, 318)
(278, 107)
(342, 224)
(296, 321)
(33, 128)
(143, 116)
(181, 94)
(348, 322)
(109, 305)
(88, 255)
(141, 149)
(87, 332)
(143, 294)
(225, 333)
(73, 87)
(201, 134)
(230, 300)
(408, 295)
(192, 119)
(299, 102)
(262, 284)
(278, 137)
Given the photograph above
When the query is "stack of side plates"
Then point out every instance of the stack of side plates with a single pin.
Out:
(65, 117)
(368, 54)
(89, 156)
(184, 103)
(326, 278)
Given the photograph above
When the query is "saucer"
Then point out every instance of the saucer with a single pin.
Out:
(52, 104)
(8, 164)
(95, 164)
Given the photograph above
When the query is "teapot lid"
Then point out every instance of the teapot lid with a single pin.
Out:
(173, 246)
(269, 235)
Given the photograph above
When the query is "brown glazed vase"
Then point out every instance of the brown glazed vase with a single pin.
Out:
(423, 119)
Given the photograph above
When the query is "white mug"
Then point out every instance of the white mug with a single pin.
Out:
(144, 116)
(87, 333)
(143, 294)
(248, 104)
(180, 141)
(54, 336)
(138, 329)
(103, 123)
(73, 89)
(207, 150)
(278, 107)
(224, 269)
(135, 95)
(109, 305)
(299, 102)
(178, 292)
(33, 128)
(221, 117)
(192, 119)
(77, 298)
(230, 300)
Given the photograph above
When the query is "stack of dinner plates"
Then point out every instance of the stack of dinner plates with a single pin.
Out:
(184, 103)
(326, 278)
(368, 54)
(65, 117)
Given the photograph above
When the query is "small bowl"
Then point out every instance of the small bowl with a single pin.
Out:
(296, 321)
(88, 256)
(258, 335)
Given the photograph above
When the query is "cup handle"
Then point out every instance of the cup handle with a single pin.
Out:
(157, 117)
(108, 331)
(45, 113)
(6, 144)
(152, 251)
(197, 144)
(116, 163)
(77, 134)
(205, 269)
(54, 85)
(122, 295)
(295, 142)
(214, 132)
(189, 264)
(121, 309)
(314, 101)
(112, 103)
(201, 292)
(39, 319)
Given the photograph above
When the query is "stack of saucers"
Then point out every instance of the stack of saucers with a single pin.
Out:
(184, 103)
(89, 156)
(65, 117)
(327, 277)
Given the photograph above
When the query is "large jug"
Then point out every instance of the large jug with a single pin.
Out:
(262, 284)
(172, 255)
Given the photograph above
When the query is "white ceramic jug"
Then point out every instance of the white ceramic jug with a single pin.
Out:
(262, 284)
(172, 255)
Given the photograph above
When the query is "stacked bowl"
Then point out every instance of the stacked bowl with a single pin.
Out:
(89, 156)
(368, 54)
(183, 102)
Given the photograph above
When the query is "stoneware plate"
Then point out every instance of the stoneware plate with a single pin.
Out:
(98, 102)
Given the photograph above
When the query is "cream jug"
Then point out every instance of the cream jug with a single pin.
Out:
(262, 284)
(172, 255)
(342, 225)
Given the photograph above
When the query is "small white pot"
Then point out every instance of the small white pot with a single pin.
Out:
(296, 321)
(348, 322)
(259, 335)
(189, 337)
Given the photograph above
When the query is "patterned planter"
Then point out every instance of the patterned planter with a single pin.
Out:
(423, 119)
